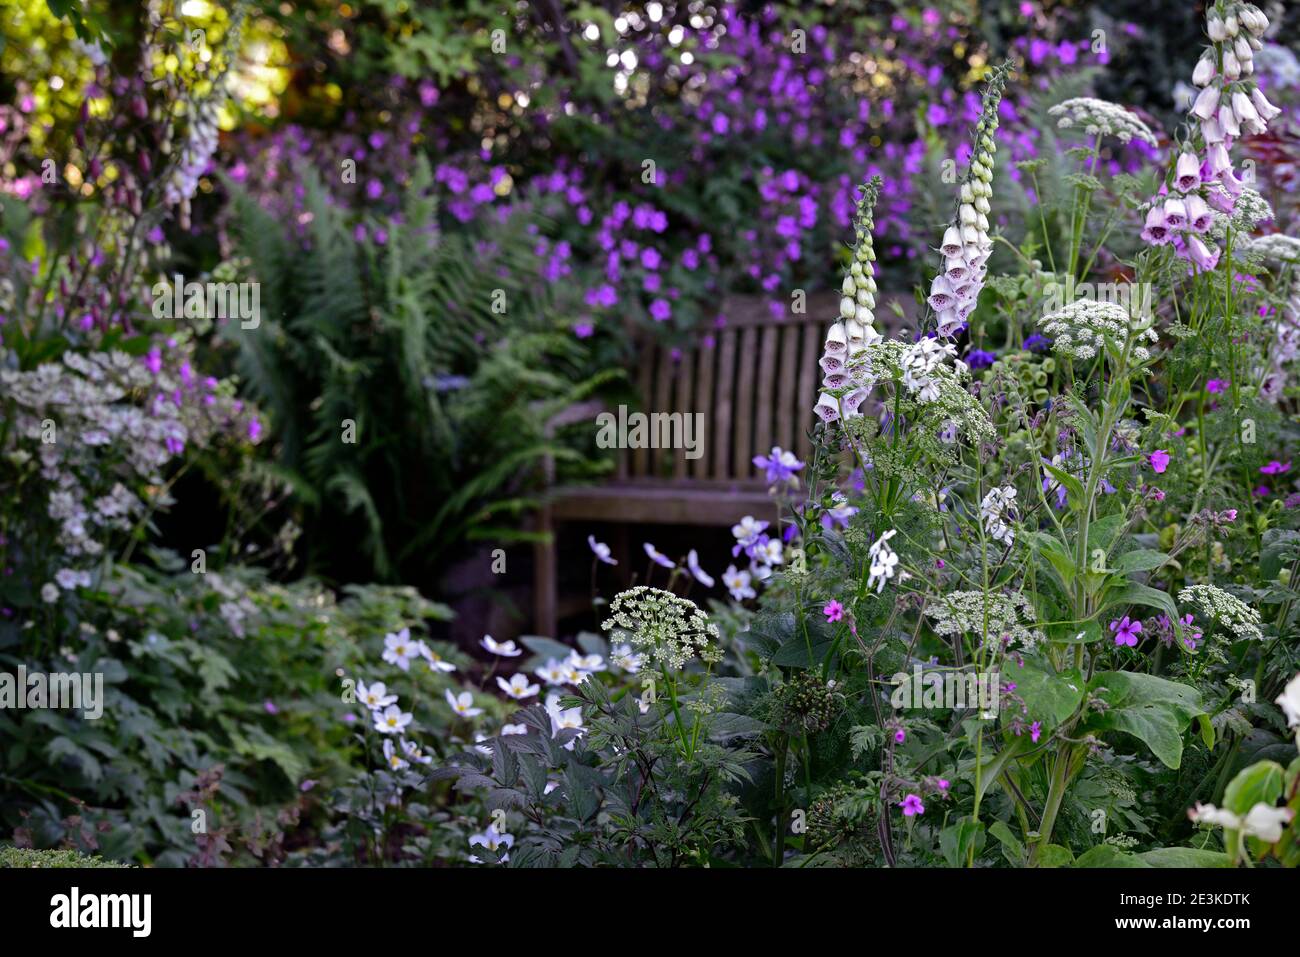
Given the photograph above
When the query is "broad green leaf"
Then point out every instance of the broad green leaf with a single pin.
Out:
(1184, 857)
(1072, 484)
(1135, 594)
(1049, 698)
(1108, 855)
(1051, 548)
(1140, 560)
(1012, 849)
(1153, 710)
(958, 840)
(1054, 855)
(1259, 783)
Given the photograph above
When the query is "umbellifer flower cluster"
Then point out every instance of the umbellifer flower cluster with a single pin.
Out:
(1085, 327)
(669, 629)
(1101, 118)
(1009, 617)
(1232, 613)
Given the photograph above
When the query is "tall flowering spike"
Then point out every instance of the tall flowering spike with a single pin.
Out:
(966, 244)
(855, 329)
(1229, 105)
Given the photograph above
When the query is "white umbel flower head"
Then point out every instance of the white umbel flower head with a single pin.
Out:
(1102, 118)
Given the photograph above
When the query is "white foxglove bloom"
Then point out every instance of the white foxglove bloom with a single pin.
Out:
(827, 408)
(1204, 71)
(1207, 103)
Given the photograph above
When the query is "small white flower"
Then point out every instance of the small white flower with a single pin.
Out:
(514, 729)
(884, 561)
(394, 759)
(493, 840)
(601, 551)
(589, 663)
(375, 696)
(622, 656)
(698, 573)
(393, 720)
(737, 582)
(413, 752)
(435, 660)
(49, 593)
(399, 649)
(517, 687)
(552, 672)
(658, 557)
(506, 649)
(462, 704)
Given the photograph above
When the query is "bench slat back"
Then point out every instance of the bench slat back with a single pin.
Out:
(755, 380)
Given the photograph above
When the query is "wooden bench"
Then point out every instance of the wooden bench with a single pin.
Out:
(756, 385)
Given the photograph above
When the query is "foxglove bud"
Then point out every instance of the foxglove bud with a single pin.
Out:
(1207, 103)
(1263, 107)
(1204, 71)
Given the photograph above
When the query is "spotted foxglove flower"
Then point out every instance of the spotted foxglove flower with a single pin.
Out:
(855, 329)
(1229, 105)
(966, 245)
